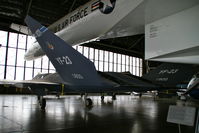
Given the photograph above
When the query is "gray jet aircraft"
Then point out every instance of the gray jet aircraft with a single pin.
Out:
(78, 74)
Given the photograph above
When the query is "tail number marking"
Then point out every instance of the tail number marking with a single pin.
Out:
(64, 60)
(77, 76)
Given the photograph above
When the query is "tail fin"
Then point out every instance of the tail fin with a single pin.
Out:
(171, 74)
(72, 66)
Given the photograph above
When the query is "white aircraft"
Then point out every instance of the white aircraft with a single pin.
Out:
(170, 27)
(98, 19)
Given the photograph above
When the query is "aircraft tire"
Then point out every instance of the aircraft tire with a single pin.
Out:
(58, 95)
(43, 104)
(81, 95)
(114, 97)
(102, 98)
(140, 95)
(39, 98)
(89, 102)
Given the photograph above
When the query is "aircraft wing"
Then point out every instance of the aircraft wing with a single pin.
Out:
(40, 84)
(8, 83)
(164, 77)
(37, 87)
(40, 79)
(22, 83)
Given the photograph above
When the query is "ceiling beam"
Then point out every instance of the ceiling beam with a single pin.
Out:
(71, 7)
(28, 8)
(112, 48)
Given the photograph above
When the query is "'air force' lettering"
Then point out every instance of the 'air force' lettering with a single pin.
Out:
(105, 7)
(81, 13)
(64, 60)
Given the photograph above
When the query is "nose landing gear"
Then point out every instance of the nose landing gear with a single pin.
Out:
(42, 102)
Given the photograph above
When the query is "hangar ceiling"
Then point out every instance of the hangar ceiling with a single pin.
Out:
(48, 11)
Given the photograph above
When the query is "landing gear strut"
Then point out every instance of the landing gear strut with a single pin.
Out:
(58, 95)
(81, 95)
(39, 98)
(140, 95)
(102, 97)
(114, 97)
(42, 102)
(88, 101)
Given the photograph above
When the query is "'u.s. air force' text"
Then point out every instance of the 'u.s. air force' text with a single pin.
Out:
(73, 18)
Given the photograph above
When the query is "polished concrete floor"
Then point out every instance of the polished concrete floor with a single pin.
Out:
(127, 114)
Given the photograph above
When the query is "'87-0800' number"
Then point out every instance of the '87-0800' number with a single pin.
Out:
(77, 76)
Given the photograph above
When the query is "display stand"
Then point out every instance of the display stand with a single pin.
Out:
(197, 123)
(179, 129)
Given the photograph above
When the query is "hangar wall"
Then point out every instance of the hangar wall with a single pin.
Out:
(14, 67)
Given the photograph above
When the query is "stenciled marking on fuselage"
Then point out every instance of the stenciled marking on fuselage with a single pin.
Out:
(50, 46)
(105, 7)
(162, 79)
(77, 76)
(64, 60)
(168, 71)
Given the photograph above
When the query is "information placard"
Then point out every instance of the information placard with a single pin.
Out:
(181, 115)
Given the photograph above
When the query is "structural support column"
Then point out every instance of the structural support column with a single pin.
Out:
(6, 58)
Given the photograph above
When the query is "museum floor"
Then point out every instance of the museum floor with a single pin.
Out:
(127, 114)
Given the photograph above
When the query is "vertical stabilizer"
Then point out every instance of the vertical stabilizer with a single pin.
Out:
(72, 66)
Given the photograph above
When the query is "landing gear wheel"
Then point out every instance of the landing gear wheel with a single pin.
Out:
(43, 104)
(140, 95)
(88, 102)
(39, 98)
(114, 97)
(102, 98)
(81, 95)
(58, 95)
